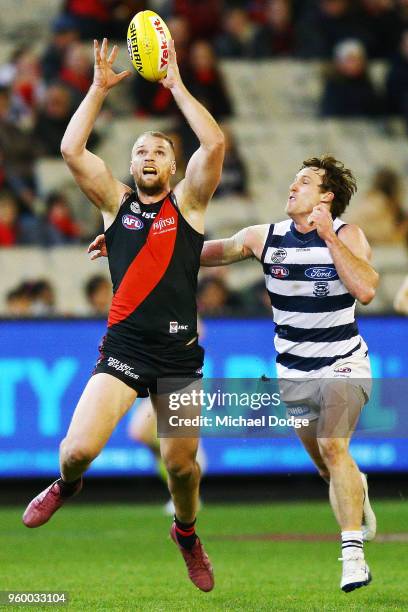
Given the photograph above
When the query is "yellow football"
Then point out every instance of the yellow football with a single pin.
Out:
(148, 45)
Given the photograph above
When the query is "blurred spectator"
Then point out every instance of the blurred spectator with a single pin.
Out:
(98, 292)
(17, 155)
(27, 84)
(17, 227)
(204, 16)
(236, 39)
(77, 69)
(100, 18)
(234, 177)
(348, 91)
(276, 37)
(397, 81)
(206, 83)
(53, 118)
(9, 233)
(181, 34)
(22, 74)
(324, 24)
(256, 300)
(42, 298)
(214, 299)
(64, 34)
(380, 213)
(383, 23)
(18, 302)
(62, 228)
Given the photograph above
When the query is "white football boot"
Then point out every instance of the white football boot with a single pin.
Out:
(369, 527)
(356, 572)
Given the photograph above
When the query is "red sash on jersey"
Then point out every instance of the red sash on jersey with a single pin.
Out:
(149, 265)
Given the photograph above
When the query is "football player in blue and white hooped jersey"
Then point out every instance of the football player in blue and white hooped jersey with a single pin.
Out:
(316, 267)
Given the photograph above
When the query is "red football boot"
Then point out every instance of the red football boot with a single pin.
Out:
(198, 564)
(42, 507)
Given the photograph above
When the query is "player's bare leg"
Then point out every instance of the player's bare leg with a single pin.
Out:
(342, 404)
(179, 456)
(103, 403)
(143, 429)
(308, 437)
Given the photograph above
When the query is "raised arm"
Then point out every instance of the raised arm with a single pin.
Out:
(247, 243)
(89, 171)
(351, 254)
(204, 169)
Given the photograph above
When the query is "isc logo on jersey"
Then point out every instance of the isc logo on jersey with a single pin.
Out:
(148, 45)
(131, 222)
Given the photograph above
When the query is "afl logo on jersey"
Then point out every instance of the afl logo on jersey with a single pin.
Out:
(278, 255)
(279, 271)
(131, 222)
(321, 273)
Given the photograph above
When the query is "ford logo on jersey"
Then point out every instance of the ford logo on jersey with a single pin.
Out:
(131, 222)
(324, 273)
(279, 271)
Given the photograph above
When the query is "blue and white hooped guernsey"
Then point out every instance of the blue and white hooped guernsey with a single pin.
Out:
(312, 309)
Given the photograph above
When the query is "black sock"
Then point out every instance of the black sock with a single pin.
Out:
(185, 533)
(68, 488)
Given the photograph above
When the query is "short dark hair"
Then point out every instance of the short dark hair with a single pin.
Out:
(158, 135)
(337, 179)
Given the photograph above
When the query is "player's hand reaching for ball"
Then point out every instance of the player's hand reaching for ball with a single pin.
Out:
(97, 248)
(104, 76)
(172, 78)
(321, 220)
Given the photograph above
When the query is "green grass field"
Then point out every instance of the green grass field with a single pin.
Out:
(119, 557)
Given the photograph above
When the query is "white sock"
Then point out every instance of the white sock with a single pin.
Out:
(351, 543)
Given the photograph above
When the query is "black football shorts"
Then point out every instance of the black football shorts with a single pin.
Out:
(143, 371)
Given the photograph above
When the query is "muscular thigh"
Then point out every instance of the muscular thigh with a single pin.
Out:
(104, 401)
(341, 405)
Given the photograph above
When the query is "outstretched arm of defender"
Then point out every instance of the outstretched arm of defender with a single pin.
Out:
(89, 171)
(204, 168)
(247, 243)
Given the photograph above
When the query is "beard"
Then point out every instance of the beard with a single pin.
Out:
(148, 187)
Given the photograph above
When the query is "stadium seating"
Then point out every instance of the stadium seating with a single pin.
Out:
(275, 127)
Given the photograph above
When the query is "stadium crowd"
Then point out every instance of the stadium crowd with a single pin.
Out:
(39, 91)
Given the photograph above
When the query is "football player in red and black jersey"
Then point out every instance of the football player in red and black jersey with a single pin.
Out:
(154, 238)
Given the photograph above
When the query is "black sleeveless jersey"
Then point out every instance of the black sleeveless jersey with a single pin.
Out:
(154, 258)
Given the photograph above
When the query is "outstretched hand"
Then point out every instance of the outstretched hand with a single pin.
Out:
(104, 76)
(172, 77)
(97, 248)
